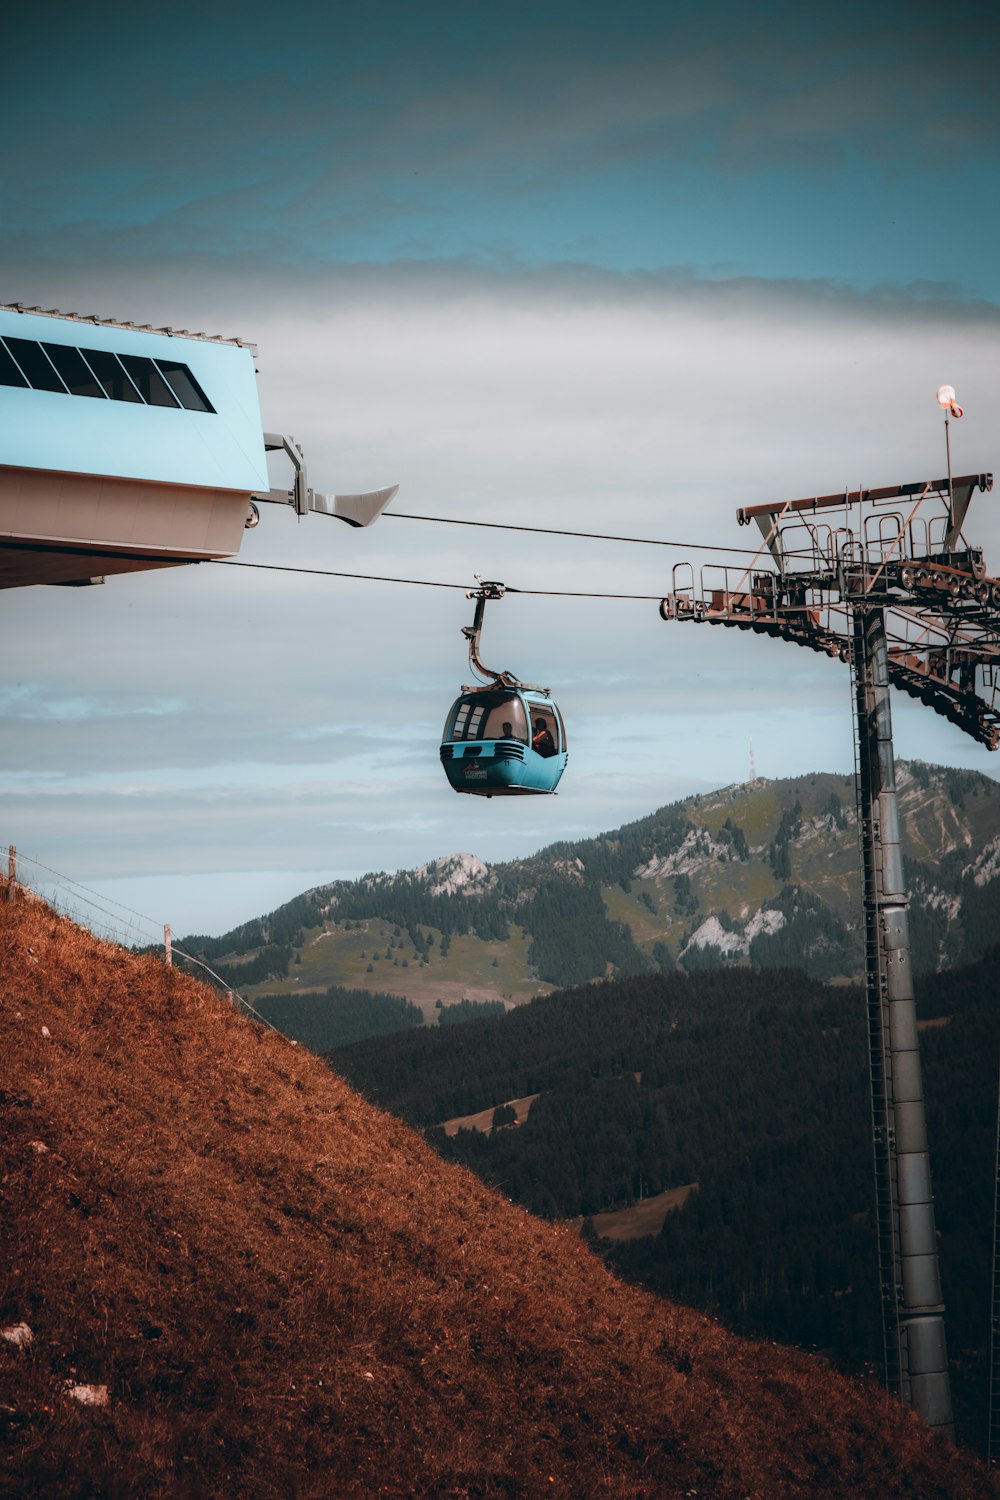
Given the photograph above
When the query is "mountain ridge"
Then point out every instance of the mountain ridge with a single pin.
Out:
(764, 873)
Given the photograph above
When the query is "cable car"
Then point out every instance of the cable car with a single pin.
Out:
(505, 738)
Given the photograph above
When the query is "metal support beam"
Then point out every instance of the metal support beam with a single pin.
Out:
(299, 494)
(913, 1312)
(356, 510)
(747, 513)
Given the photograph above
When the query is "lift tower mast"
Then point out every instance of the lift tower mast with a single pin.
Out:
(916, 1360)
(884, 580)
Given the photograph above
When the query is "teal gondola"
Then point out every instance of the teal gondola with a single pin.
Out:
(505, 738)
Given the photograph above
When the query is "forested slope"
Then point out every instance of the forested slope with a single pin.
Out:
(755, 1086)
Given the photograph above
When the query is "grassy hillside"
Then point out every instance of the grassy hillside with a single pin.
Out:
(225, 1274)
(761, 875)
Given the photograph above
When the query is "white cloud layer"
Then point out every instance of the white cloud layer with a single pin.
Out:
(193, 721)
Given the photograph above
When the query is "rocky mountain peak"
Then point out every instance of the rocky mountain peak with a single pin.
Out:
(456, 872)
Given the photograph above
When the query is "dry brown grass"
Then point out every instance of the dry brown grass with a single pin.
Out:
(289, 1295)
(643, 1218)
(482, 1120)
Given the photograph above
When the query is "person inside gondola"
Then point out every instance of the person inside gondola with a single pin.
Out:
(541, 740)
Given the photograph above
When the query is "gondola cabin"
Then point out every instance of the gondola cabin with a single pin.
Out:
(504, 741)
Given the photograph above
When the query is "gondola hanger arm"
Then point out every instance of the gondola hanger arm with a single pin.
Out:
(472, 633)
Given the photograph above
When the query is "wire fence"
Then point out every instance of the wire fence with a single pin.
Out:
(104, 916)
(108, 918)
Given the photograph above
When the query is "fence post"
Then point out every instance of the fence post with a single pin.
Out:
(11, 871)
(168, 945)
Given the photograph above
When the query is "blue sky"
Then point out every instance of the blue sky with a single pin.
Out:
(614, 269)
(848, 143)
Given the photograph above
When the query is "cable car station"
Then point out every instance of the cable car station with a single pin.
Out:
(125, 448)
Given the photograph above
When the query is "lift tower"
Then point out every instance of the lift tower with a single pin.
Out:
(884, 580)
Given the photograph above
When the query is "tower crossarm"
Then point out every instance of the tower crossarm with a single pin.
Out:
(950, 498)
(976, 717)
(763, 610)
(898, 549)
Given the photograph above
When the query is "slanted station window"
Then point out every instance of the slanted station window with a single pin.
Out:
(10, 374)
(148, 381)
(114, 381)
(184, 386)
(36, 365)
(77, 375)
(100, 373)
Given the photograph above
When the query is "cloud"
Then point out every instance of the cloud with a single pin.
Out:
(205, 719)
(30, 701)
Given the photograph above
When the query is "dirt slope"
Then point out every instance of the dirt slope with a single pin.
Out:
(287, 1294)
